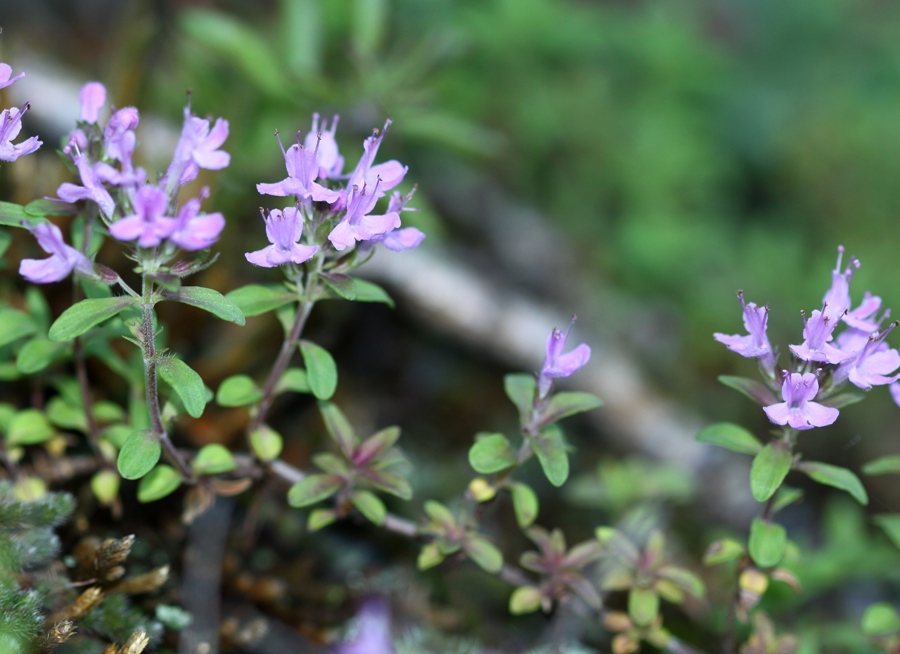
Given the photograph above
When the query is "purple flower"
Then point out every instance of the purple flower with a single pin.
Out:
(148, 224)
(331, 163)
(861, 323)
(755, 344)
(871, 364)
(818, 331)
(195, 231)
(303, 168)
(92, 97)
(895, 392)
(63, 258)
(798, 410)
(92, 190)
(557, 364)
(197, 148)
(390, 173)
(357, 225)
(283, 230)
(837, 299)
(10, 125)
(399, 239)
(5, 72)
(118, 136)
(372, 634)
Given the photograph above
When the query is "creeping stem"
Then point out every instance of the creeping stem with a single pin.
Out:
(148, 344)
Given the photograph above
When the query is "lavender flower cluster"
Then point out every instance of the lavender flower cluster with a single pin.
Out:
(823, 364)
(11, 123)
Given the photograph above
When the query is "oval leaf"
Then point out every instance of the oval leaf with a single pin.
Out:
(836, 476)
(884, 466)
(321, 370)
(139, 454)
(491, 453)
(208, 300)
(342, 285)
(161, 481)
(370, 506)
(768, 542)
(880, 620)
(266, 443)
(29, 427)
(525, 504)
(105, 486)
(484, 553)
(184, 381)
(730, 436)
(643, 605)
(756, 391)
(313, 488)
(525, 599)
(320, 518)
(293, 379)
(367, 291)
(79, 318)
(213, 459)
(338, 427)
(238, 390)
(550, 449)
(563, 405)
(520, 389)
(14, 325)
(769, 469)
(256, 299)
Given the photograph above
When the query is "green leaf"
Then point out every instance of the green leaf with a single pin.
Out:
(14, 325)
(238, 390)
(367, 291)
(321, 370)
(684, 579)
(106, 411)
(12, 215)
(525, 504)
(37, 354)
(320, 518)
(105, 486)
(769, 469)
(331, 463)
(885, 465)
(842, 400)
(338, 427)
(491, 453)
(29, 427)
(79, 318)
(786, 496)
(768, 542)
(46, 207)
(213, 459)
(314, 488)
(429, 556)
(836, 476)
(890, 524)
(376, 445)
(38, 308)
(722, 551)
(880, 620)
(643, 605)
(369, 505)
(520, 389)
(254, 299)
(730, 436)
(116, 435)
(484, 553)
(266, 443)
(161, 481)
(343, 285)
(525, 599)
(563, 405)
(139, 454)
(208, 300)
(440, 514)
(293, 379)
(184, 381)
(550, 449)
(757, 392)
(388, 482)
(62, 414)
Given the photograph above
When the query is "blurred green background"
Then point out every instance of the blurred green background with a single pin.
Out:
(685, 150)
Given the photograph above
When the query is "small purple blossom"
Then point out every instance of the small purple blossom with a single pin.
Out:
(283, 230)
(92, 98)
(372, 630)
(400, 239)
(303, 168)
(196, 231)
(92, 190)
(197, 148)
(798, 410)
(895, 392)
(62, 261)
(837, 298)
(149, 223)
(390, 173)
(10, 125)
(756, 343)
(557, 364)
(818, 332)
(357, 224)
(872, 363)
(5, 73)
(118, 136)
(331, 163)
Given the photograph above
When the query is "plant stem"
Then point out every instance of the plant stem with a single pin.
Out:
(151, 388)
